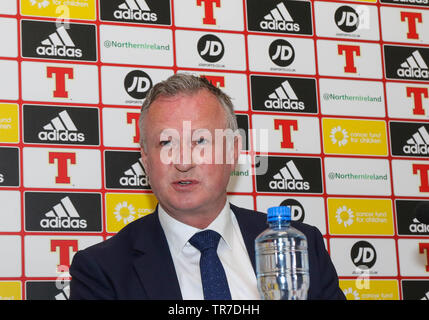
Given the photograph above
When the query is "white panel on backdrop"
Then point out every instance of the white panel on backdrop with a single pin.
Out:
(43, 254)
(8, 80)
(129, 86)
(351, 21)
(8, 38)
(133, 45)
(364, 257)
(62, 168)
(71, 83)
(410, 178)
(233, 84)
(310, 210)
(405, 25)
(357, 176)
(10, 213)
(223, 15)
(8, 7)
(10, 252)
(285, 55)
(413, 257)
(352, 98)
(407, 100)
(207, 50)
(120, 127)
(242, 201)
(289, 134)
(241, 177)
(349, 59)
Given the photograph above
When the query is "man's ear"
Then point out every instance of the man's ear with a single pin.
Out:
(238, 145)
(144, 158)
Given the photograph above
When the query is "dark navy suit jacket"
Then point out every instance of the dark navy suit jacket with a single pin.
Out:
(136, 263)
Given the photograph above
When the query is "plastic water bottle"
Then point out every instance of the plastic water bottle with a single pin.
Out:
(282, 259)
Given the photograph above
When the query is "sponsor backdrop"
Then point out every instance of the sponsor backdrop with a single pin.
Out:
(341, 89)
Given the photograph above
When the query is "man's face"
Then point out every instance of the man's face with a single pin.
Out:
(187, 188)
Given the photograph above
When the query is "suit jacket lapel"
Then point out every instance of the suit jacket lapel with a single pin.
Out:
(153, 262)
(250, 229)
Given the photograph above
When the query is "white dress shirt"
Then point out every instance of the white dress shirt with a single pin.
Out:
(232, 253)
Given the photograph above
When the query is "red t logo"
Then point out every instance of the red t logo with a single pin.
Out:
(64, 251)
(208, 10)
(350, 61)
(422, 248)
(287, 126)
(417, 94)
(424, 181)
(134, 117)
(217, 81)
(411, 18)
(62, 164)
(60, 80)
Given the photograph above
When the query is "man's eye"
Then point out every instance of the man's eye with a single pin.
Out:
(201, 141)
(165, 143)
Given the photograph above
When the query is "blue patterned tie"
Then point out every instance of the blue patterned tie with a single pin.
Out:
(213, 278)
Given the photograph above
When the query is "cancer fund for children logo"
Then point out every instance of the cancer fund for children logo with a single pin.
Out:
(124, 208)
(354, 137)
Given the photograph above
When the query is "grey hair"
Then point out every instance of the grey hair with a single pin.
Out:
(182, 83)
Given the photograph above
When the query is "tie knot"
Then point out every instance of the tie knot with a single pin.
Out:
(207, 239)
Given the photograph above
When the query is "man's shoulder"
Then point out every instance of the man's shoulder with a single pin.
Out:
(120, 243)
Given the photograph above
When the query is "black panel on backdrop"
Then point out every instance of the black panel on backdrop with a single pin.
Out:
(50, 40)
(61, 125)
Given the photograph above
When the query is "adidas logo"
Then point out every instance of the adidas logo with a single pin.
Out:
(419, 143)
(64, 294)
(135, 176)
(279, 19)
(426, 296)
(63, 215)
(62, 129)
(419, 227)
(284, 98)
(135, 10)
(289, 178)
(59, 44)
(414, 67)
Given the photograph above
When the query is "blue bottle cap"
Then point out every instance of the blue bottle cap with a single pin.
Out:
(281, 213)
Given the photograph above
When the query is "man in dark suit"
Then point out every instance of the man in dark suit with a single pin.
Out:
(196, 245)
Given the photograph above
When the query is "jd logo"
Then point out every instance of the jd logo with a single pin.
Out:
(347, 19)
(363, 254)
(296, 208)
(137, 83)
(281, 52)
(210, 48)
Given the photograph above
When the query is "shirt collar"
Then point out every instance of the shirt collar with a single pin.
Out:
(178, 233)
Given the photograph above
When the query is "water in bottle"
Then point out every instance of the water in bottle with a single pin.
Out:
(282, 259)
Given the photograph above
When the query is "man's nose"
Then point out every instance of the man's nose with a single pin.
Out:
(185, 161)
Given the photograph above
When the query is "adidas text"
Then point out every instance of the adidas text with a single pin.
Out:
(64, 136)
(280, 26)
(419, 228)
(416, 149)
(135, 181)
(413, 73)
(1, 178)
(289, 185)
(58, 223)
(135, 15)
(59, 51)
(284, 104)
